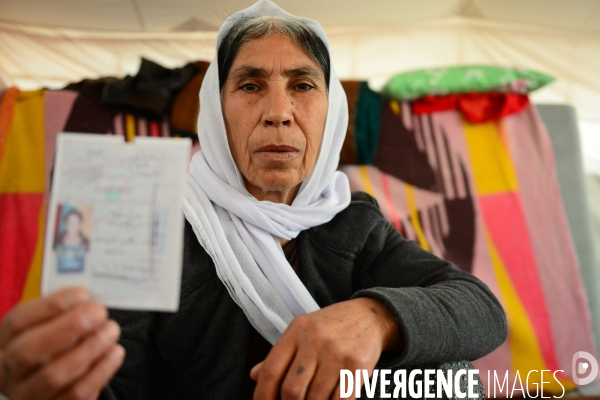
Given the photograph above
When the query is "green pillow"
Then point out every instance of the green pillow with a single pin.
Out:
(474, 78)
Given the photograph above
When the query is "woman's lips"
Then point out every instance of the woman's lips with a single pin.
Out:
(277, 152)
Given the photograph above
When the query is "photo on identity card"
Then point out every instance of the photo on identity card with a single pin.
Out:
(72, 234)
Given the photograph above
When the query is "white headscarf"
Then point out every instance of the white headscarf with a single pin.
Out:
(240, 232)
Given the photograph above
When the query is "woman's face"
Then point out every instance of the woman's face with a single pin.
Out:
(274, 104)
(73, 224)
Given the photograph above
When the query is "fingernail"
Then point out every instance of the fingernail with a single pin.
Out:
(118, 352)
(74, 297)
(109, 332)
(93, 315)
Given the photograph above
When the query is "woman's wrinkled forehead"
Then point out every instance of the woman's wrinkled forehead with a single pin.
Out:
(274, 57)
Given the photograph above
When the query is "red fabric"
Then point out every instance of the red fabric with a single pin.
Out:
(477, 108)
(19, 213)
(154, 129)
(7, 109)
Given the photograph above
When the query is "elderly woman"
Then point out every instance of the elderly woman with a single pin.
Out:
(287, 278)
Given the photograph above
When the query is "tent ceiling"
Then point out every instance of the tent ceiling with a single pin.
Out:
(186, 15)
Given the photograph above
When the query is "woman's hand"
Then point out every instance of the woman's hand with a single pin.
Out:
(307, 359)
(58, 347)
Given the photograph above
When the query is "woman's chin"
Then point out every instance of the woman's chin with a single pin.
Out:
(277, 180)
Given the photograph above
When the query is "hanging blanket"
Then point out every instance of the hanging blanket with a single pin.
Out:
(485, 196)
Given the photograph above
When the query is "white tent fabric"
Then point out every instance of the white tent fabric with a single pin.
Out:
(35, 57)
(195, 15)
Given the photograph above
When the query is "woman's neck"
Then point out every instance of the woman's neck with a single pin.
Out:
(276, 196)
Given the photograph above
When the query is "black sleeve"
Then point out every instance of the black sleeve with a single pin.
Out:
(137, 331)
(445, 314)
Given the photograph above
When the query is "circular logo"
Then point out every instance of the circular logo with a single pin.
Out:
(580, 368)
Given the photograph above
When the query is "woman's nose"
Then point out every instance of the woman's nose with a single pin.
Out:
(278, 107)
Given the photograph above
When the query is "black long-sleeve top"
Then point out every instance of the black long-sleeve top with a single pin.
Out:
(200, 351)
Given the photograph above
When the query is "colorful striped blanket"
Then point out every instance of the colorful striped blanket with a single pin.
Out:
(485, 196)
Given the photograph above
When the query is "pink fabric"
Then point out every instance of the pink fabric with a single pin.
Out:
(447, 127)
(395, 219)
(166, 131)
(550, 237)
(504, 219)
(142, 127)
(119, 125)
(57, 107)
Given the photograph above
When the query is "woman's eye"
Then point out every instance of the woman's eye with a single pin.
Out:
(303, 86)
(249, 87)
